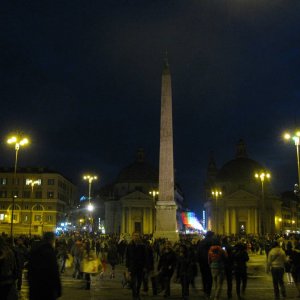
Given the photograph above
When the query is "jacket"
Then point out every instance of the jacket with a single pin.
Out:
(276, 258)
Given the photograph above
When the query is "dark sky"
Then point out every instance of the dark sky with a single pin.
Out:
(82, 79)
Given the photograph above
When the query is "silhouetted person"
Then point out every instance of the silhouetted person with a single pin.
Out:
(202, 251)
(43, 274)
(8, 272)
(136, 263)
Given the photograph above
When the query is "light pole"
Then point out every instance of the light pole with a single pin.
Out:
(216, 194)
(90, 207)
(154, 194)
(296, 139)
(261, 176)
(18, 142)
(32, 183)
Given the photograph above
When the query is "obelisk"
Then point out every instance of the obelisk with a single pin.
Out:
(166, 224)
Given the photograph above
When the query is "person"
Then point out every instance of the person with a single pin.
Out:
(62, 253)
(288, 265)
(76, 252)
(240, 257)
(21, 253)
(217, 257)
(8, 272)
(149, 266)
(112, 257)
(228, 265)
(276, 261)
(294, 259)
(90, 263)
(202, 254)
(43, 273)
(136, 264)
(185, 269)
(166, 266)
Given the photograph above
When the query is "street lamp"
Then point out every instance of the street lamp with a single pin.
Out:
(32, 183)
(154, 193)
(90, 207)
(18, 142)
(261, 176)
(296, 139)
(216, 194)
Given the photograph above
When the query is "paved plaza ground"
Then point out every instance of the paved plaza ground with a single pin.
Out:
(259, 286)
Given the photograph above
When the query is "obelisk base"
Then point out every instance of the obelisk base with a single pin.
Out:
(166, 223)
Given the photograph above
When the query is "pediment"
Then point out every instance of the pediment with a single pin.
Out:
(242, 195)
(136, 195)
(137, 198)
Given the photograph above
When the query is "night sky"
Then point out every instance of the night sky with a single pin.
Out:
(83, 79)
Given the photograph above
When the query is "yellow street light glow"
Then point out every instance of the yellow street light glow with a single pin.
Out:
(90, 207)
(262, 176)
(216, 193)
(154, 193)
(90, 178)
(12, 140)
(287, 136)
(18, 142)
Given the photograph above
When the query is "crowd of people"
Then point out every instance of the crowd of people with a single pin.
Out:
(149, 262)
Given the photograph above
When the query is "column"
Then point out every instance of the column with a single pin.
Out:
(248, 221)
(123, 229)
(129, 221)
(145, 225)
(227, 224)
(233, 221)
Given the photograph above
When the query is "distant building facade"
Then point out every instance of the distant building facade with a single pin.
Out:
(37, 208)
(129, 202)
(238, 208)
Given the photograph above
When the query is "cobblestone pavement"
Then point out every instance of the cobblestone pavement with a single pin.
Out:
(259, 286)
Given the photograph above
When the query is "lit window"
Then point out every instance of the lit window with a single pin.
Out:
(3, 181)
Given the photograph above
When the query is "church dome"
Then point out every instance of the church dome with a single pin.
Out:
(138, 171)
(240, 169)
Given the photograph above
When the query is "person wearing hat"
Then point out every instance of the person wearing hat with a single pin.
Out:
(276, 261)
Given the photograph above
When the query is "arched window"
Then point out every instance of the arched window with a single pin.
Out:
(16, 207)
(38, 207)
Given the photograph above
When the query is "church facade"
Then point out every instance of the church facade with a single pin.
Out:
(129, 202)
(236, 201)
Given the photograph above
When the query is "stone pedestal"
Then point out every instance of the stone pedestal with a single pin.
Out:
(166, 224)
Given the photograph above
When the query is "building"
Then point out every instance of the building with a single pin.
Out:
(42, 199)
(129, 202)
(236, 202)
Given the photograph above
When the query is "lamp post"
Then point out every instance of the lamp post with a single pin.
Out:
(296, 139)
(32, 183)
(90, 207)
(17, 141)
(261, 176)
(154, 194)
(216, 194)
